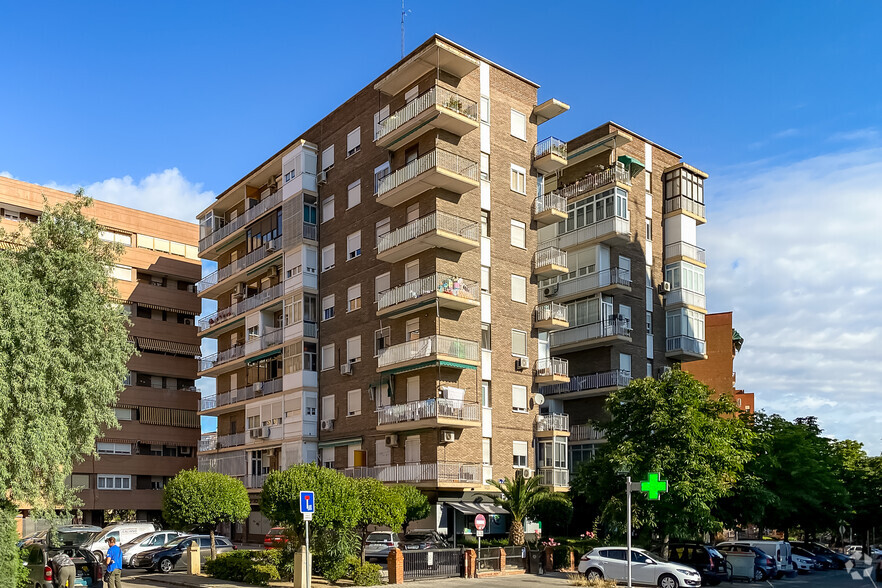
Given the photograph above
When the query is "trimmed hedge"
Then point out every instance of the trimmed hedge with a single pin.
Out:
(253, 567)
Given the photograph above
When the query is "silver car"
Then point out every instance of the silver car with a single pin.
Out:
(145, 542)
(378, 545)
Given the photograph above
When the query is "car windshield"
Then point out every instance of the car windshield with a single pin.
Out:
(176, 542)
(73, 537)
(138, 539)
(276, 532)
(378, 537)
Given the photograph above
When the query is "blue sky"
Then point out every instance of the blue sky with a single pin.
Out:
(160, 105)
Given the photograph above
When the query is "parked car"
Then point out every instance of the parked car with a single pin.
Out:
(122, 532)
(36, 537)
(378, 545)
(818, 562)
(171, 555)
(423, 539)
(64, 535)
(709, 562)
(146, 542)
(838, 560)
(275, 538)
(42, 570)
(779, 550)
(646, 568)
(802, 564)
(764, 566)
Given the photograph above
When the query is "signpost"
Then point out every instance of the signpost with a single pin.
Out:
(480, 523)
(653, 487)
(307, 508)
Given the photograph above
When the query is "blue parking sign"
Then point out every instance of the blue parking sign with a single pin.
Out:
(307, 501)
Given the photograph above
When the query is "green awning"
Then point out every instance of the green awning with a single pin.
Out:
(419, 366)
(340, 442)
(635, 165)
(263, 356)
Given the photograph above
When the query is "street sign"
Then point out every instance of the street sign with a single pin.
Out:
(480, 522)
(307, 502)
(653, 486)
(307, 508)
(479, 533)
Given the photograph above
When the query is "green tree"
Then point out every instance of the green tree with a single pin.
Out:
(676, 426)
(519, 497)
(416, 504)
(63, 353)
(380, 505)
(195, 498)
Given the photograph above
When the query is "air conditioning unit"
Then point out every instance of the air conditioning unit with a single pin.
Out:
(392, 440)
(328, 425)
(270, 246)
(322, 177)
(550, 291)
(265, 432)
(346, 369)
(664, 287)
(527, 473)
(258, 386)
(448, 436)
(188, 322)
(522, 363)
(240, 290)
(273, 270)
(662, 371)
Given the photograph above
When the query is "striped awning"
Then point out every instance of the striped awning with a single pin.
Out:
(171, 417)
(148, 344)
(473, 508)
(266, 355)
(341, 442)
(160, 307)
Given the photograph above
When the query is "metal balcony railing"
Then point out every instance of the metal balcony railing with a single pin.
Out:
(442, 471)
(269, 248)
(550, 256)
(550, 201)
(549, 311)
(234, 440)
(427, 347)
(552, 366)
(598, 330)
(685, 344)
(437, 220)
(255, 480)
(231, 463)
(601, 279)
(553, 422)
(430, 408)
(586, 432)
(310, 329)
(235, 310)
(591, 182)
(310, 231)
(431, 284)
(550, 146)
(208, 403)
(436, 158)
(685, 204)
(268, 339)
(556, 477)
(247, 392)
(606, 228)
(240, 221)
(610, 379)
(681, 248)
(435, 96)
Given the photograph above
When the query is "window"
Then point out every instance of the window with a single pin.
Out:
(485, 393)
(327, 209)
(114, 448)
(353, 298)
(485, 452)
(112, 482)
(649, 229)
(625, 363)
(485, 337)
(122, 272)
(383, 228)
(518, 288)
(518, 125)
(353, 142)
(485, 109)
(124, 414)
(382, 340)
(328, 158)
(518, 179)
(115, 237)
(328, 362)
(625, 312)
(613, 202)
(328, 409)
(518, 234)
(518, 398)
(519, 454)
(328, 257)
(353, 245)
(684, 322)
(413, 389)
(485, 166)
(381, 284)
(328, 307)
(485, 279)
(353, 349)
(413, 213)
(381, 172)
(518, 343)
(485, 223)
(353, 402)
(328, 456)
(412, 329)
(411, 271)
(354, 194)
(686, 276)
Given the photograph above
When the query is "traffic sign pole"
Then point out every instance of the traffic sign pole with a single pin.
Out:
(307, 508)
(308, 558)
(480, 523)
(628, 526)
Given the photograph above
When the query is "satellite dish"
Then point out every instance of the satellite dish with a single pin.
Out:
(539, 399)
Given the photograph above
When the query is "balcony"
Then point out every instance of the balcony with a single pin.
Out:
(433, 57)
(265, 433)
(442, 289)
(431, 350)
(550, 316)
(685, 348)
(556, 478)
(549, 209)
(592, 182)
(437, 229)
(599, 334)
(437, 108)
(267, 340)
(212, 442)
(310, 232)
(549, 262)
(684, 297)
(228, 228)
(256, 390)
(687, 206)
(553, 425)
(682, 251)
(549, 155)
(591, 385)
(442, 473)
(269, 249)
(435, 169)
(586, 432)
(615, 229)
(218, 318)
(553, 370)
(602, 281)
(431, 413)
(255, 481)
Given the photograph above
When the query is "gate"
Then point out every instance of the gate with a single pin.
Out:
(514, 557)
(487, 559)
(432, 563)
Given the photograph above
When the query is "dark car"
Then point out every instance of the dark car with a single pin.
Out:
(705, 559)
(42, 571)
(838, 560)
(171, 555)
(426, 539)
(764, 566)
(275, 538)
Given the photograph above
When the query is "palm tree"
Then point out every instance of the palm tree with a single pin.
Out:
(519, 498)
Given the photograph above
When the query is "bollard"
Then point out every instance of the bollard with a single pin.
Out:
(194, 561)
(301, 560)
(471, 558)
(395, 563)
(501, 560)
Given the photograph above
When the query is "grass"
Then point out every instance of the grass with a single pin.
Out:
(575, 579)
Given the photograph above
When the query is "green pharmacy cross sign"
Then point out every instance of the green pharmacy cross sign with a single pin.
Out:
(653, 486)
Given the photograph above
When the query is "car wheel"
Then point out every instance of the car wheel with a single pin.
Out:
(759, 574)
(593, 575)
(668, 581)
(166, 565)
(99, 555)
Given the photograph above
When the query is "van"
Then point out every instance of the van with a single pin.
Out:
(780, 550)
(122, 532)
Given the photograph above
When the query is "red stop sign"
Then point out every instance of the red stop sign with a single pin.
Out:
(480, 522)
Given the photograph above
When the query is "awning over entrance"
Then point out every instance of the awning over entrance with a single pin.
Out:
(473, 508)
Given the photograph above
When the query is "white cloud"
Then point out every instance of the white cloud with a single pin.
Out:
(167, 193)
(867, 134)
(795, 252)
(6, 174)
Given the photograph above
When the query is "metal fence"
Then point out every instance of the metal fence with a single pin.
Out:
(433, 563)
(487, 559)
(515, 557)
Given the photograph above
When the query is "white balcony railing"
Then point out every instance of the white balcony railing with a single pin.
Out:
(684, 204)
(681, 248)
(235, 310)
(553, 422)
(268, 248)
(255, 480)
(435, 96)
(430, 408)
(436, 158)
(552, 366)
(234, 440)
(550, 146)
(550, 311)
(240, 221)
(208, 403)
(231, 463)
(595, 281)
(445, 472)
(586, 432)
(437, 220)
(611, 379)
(427, 347)
(268, 339)
(685, 344)
(684, 296)
(434, 283)
(550, 256)
(247, 392)
(598, 330)
(550, 201)
(557, 477)
(614, 226)
(310, 231)
(594, 181)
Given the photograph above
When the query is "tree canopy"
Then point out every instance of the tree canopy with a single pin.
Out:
(380, 505)
(416, 504)
(519, 497)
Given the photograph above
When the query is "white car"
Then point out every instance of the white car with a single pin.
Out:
(646, 568)
(145, 542)
(802, 564)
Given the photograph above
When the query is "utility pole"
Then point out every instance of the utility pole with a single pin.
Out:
(628, 526)
(402, 28)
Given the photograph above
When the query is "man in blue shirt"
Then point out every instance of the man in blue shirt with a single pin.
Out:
(114, 564)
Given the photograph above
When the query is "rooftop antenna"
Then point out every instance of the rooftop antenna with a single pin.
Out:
(404, 13)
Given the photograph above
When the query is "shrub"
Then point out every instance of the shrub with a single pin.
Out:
(254, 567)
(365, 574)
(561, 555)
(472, 542)
(555, 510)
(580, 580)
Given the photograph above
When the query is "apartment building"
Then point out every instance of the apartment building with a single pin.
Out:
(384, 286)
(718, 370)
(157, 410)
